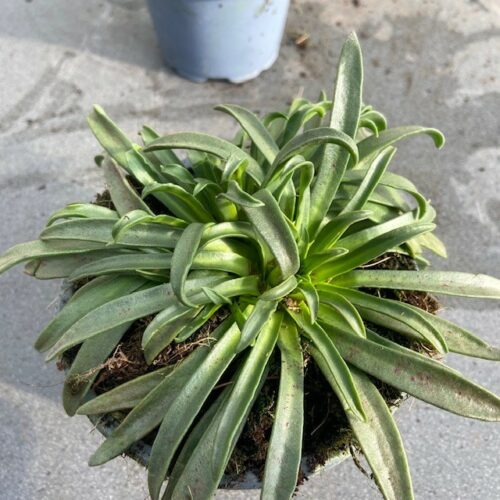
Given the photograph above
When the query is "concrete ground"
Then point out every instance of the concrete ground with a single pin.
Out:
(427, 62)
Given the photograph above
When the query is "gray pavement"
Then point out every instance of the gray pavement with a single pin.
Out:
(428, 62)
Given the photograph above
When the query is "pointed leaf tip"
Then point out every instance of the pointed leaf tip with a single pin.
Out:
(353, 37)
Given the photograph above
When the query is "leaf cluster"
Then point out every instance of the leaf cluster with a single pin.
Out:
(280, 226)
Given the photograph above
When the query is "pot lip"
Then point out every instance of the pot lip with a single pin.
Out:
(140, 450)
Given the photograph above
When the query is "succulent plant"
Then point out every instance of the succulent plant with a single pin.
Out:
(279, 228)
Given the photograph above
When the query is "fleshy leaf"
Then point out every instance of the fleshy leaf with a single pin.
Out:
(378, 436)
(235, 194)
(372, 177)
(127, 395)
(37, 249)
(270, 224)
(209, 144)
(149, 413)
(396, 316)
(333, 159)
(311, 298)
(388, 137)
(100, 231)
(371, 250)
(445, 282)
(188, 402)
(180, 202)
(314, 137)
(331, 232)
(339, 371)
(130, 262)
(87, 365)
(256, 322)
(124, 198)
(285, 446)
(183, 257)
(82, 210)
(89, 297)
(258, 134)
(419, 376)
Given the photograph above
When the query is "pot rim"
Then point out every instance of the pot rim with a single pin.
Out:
(140, 451)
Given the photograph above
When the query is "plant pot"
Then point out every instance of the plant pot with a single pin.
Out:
(140, 451)
(222, 39)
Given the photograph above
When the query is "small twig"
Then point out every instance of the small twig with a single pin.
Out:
(224, 384)
(376, 263)
(94, 427)
(302, 40)
(53, 302)
(324, 419)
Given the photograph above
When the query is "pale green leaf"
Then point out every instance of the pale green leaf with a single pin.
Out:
(310, 294)
(390, 136)
(256, 322)
(235, 194)
(82, 210)
(180, 414)
(342, 305)
(100, 231)
(130, 262)
(87, 365)
(331, 232)
(347, 102)
(111, 138)
(257, 132)
(419, 376)
(121, 310)
(270, 224)
(378, 436)
(317, 260)
(194, 439)
(314, 137)
(371, 250)
(127, 395)
(395, 316)
(179, 201)
(339, 371)
(87, 298)
(62, 266)
(285, 446)
(150, 411)
(209, 144)
(38, 249)
(123, 196)
(445, 282)
(279, 291)
(462, 341)
(165, 156)
(165, 326)
(372, 177)
(190, 328)
(233, 414)
(183, 257)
